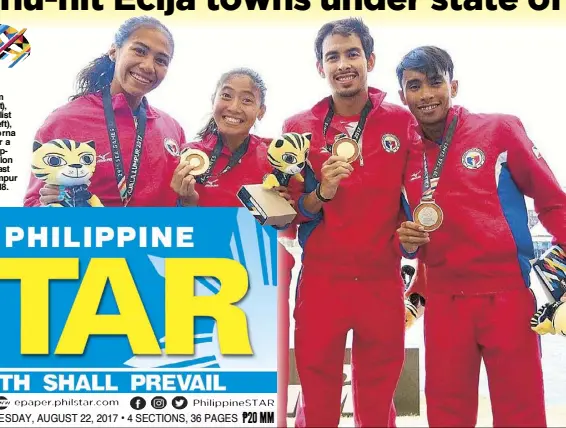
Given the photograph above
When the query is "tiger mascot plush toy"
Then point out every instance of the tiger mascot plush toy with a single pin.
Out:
(69, 165)
(288, 155)
(550, 318)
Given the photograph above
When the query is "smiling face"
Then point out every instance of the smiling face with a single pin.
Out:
(428, 97)
(141, 63)
(237, 105)
(344, 64)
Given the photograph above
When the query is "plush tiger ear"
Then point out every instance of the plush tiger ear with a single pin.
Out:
(36, 145)
(307, 135)
(90, 143)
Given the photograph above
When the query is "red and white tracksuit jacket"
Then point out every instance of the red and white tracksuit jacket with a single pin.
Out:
(477, 270)
(83, 119)
(350, 277)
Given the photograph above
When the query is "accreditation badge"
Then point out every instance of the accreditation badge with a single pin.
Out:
(428, 215)
(197, 159)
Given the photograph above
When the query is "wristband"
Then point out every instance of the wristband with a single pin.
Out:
(180, 204)
(319, 196)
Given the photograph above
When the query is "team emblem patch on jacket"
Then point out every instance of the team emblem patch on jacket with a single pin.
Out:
(171, 146)
(390, 143)
(473, 159)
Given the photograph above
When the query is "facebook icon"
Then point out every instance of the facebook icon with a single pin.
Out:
(137, 403)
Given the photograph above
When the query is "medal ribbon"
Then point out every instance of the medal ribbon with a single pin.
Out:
(125, 186)
(430, 183)
(359, 128)
(234, 159)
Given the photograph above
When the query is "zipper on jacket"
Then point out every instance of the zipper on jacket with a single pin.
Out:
(361, 156)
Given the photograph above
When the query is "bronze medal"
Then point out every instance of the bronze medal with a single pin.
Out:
(428, 215)
(196, 158)
(346, 147)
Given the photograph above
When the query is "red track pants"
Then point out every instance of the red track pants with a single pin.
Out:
(326, 309)
(459, 332)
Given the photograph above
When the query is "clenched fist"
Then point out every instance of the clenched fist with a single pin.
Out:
(183, 183)
(334, 170)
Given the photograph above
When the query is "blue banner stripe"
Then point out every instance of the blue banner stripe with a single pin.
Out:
(142, 382)
(261, 245)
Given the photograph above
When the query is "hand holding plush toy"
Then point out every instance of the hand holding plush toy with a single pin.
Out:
(69, 165)
(288, 155)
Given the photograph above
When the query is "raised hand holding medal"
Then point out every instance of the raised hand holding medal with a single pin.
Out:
(344, 151)
(195, 166)
(204, 168)
(428, 214)
(412, 236)
(333, 171)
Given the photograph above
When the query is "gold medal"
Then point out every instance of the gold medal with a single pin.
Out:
(428, 215)
(346, 147)
(196, 158)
